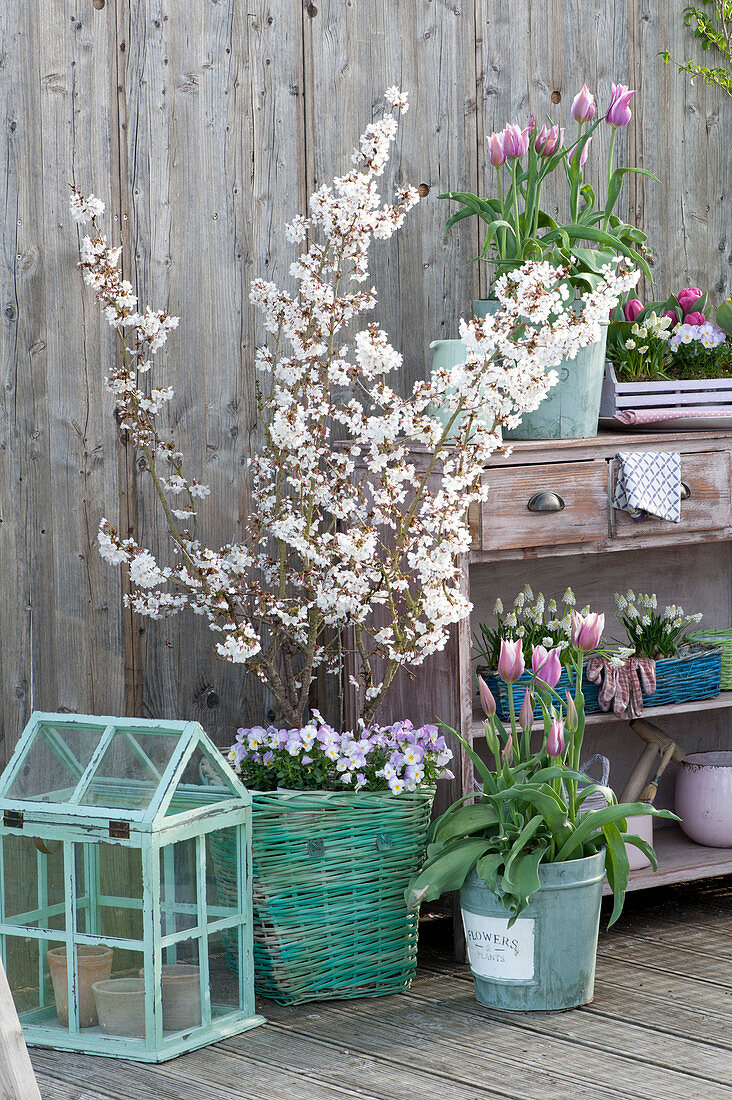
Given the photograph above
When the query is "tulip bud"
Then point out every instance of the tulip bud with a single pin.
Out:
(511, 661)
(583, 105)
(507, 752)
(618, 113)
(526, 714)
(486, 698)
(694, 319)
(548, 141)
(586, 631)
(572, 719)
(583, 155)
(555, 740)
(546, 665)
(515, 141)
(632, 309)
(497, 152)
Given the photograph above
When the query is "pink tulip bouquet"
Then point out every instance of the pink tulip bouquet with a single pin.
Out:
(531, 810)
(517, 229)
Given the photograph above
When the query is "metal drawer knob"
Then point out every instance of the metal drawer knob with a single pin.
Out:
(545, 502)
(685, 491)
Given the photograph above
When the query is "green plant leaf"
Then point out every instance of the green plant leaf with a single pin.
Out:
(522, 878)
(488, 867)
(610, 815)
(642, 844)
(465, 820)
(447, 871)
(617, 867)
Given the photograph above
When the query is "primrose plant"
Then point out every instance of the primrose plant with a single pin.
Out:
(360, 495)
(531, 810)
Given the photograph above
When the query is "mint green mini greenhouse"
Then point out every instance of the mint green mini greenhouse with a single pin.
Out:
(107, 829)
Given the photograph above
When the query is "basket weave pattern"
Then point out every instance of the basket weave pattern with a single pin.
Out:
(694, 674)
(329, 874)
(721, 638)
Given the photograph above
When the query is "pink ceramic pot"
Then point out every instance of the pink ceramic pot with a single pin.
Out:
(642, 826)
(704, 797)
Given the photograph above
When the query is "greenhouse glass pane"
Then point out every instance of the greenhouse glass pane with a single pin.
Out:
(205, 781)
(129, 773)
(178, 886)
(54, 763)
(33, 882)
(29, 977)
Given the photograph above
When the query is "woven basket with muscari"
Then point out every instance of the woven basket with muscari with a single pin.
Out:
(723, 639)
(330, 869)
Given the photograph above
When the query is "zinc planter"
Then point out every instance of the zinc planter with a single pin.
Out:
(94, 964)
(546, 960)
(704, 798)
(571, 408)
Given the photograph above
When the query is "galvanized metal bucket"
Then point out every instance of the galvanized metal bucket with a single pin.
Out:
(572, 407)
(546, 959)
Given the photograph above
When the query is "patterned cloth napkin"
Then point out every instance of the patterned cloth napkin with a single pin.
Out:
(622, 687)
(649, 483)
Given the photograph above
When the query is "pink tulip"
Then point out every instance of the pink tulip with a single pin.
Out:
(511, 661)
(486, 698)
(549, 140)
(586, 631)
(632, 309)
(583, 105)
(687, 297)
(618, 113)
(497, 152)
(507, 751)
(572, 716)
(555, 740)
(583, 156)
(515, 141)
(694, 319)
(526, 715)
(672, 314)
(546, 665)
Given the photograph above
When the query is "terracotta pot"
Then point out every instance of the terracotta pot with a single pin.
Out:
(121, 1006)
(704, 797)
(181, 994)
(94, 964)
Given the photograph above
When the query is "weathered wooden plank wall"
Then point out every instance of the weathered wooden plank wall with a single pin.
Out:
(204, 124)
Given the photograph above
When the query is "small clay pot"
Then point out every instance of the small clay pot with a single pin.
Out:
(121, 1007)
(94, 965)
(181, 995)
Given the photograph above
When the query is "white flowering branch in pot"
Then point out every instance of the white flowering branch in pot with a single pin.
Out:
(360, 495)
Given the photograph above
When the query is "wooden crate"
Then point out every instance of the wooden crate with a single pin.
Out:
(701, 393)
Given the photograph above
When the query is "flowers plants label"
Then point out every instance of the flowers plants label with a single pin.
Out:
(497, 951)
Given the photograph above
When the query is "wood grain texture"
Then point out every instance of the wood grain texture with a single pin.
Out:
(17, 1080)
(60, 611)
(658, 1027)
(204, 125)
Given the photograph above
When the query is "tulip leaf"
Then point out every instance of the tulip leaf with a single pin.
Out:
(594, 822)
(617, 867)
(489, 783)
(522, 878)
(642, 844)
(447, 871)
(547, 803)
(465, 820)
(487, 868)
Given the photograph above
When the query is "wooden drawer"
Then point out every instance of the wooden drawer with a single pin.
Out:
(507, 522)
(707, 508)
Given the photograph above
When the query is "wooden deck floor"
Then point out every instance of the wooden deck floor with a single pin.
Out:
(660, 1028)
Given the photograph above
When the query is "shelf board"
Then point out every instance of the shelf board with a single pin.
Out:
(679, 860)
(719, 702)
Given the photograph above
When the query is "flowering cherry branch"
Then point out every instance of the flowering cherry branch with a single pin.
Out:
(360, 496)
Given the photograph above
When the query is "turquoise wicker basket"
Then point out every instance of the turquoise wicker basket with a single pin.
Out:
(500, 692)
(329, 874)
(692, 675)
(721, 638)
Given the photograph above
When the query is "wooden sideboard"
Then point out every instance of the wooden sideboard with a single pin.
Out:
(598, 551)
